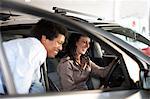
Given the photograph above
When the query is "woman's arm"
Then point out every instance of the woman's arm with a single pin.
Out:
(101, 71)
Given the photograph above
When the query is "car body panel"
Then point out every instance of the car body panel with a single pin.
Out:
(96, 94)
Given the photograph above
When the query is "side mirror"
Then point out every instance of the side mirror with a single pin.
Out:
(145, 78)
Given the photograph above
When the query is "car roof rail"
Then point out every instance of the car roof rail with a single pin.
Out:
(64, 11)
(6, 16)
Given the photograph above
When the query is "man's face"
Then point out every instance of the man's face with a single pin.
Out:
(53, 46)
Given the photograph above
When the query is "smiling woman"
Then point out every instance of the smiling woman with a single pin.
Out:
(76, 67)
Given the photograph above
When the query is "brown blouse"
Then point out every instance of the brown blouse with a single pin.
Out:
(73, 77)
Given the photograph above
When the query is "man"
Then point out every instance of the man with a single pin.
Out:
(26, 55)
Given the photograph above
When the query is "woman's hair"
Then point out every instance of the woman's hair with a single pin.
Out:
(49, 29)
(70, 49)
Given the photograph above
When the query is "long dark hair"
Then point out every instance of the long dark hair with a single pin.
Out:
(70, 49)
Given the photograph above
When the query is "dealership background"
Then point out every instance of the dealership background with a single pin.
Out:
(134, 14)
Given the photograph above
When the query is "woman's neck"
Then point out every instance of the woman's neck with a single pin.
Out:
(78, 58)
(81, 63)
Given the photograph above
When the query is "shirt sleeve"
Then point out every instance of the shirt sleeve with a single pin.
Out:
(27, 56)
(65, 72)
(100, 71)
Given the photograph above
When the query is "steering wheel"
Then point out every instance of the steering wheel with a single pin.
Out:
(113, 64)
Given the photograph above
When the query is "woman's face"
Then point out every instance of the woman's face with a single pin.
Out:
(82, 45)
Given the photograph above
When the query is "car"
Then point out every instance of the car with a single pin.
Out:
(129, 77)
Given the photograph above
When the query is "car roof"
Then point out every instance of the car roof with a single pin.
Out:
(12, 19)
(9, 18)
(100, 23)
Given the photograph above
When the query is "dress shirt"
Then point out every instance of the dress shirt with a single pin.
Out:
(25, 56)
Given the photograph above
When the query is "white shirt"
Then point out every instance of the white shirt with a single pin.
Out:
(25, 56)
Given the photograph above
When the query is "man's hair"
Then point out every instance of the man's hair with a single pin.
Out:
(49, 29)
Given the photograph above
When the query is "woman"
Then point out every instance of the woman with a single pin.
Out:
(74, 69)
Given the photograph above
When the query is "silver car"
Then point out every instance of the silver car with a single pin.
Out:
(129, 77)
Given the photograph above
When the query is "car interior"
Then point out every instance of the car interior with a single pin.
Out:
(100, 53)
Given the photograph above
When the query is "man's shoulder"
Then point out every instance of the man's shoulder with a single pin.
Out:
(24, 44)
(29, 42)
(32, 40)
(21, 40)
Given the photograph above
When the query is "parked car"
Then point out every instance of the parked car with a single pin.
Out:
(129, 77)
